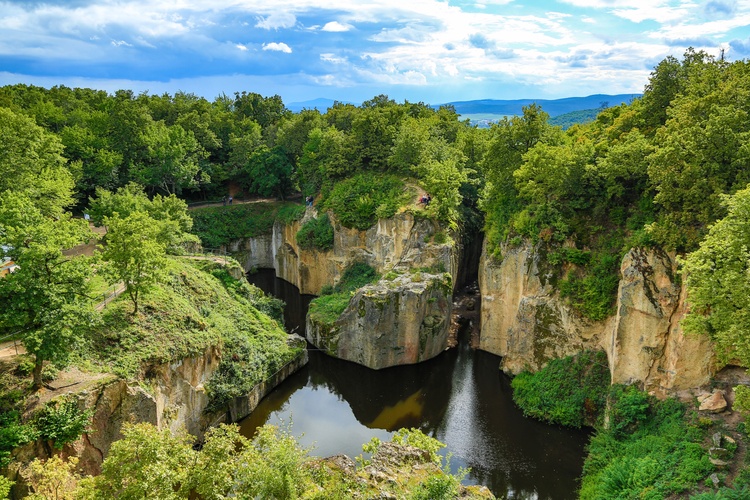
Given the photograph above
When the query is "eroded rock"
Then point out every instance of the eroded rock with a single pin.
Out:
(393, 322)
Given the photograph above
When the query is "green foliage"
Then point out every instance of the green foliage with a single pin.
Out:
(718, 288)
(328, 307)
(418, 439)
(5, 486)
(649, 450)
(46, 298)
(135, 254)
(570, 391)
(593, 294)
(63, 422)
(316, 234)
(218, 226)
(12, 434)
(32, 164)
(145, 463)
(359, 201)
(742, 399)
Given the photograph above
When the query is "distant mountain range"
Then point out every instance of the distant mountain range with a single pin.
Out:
(493, 109)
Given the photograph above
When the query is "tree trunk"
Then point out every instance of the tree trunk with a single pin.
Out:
(38, 365)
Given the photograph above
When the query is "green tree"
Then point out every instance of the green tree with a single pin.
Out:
(46, 298)
(135, 253)
(701, 153)
(173, 161)
(168, 212)
(269, 172)
(31, 162)
(145, 463)
(718, 285)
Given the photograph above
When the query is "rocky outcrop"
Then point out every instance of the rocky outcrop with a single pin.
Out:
(645, 343)
(394, 322)
(172, 396)
(525, 320)
(400, 242)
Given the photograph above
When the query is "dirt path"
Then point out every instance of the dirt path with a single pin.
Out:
(11, 349)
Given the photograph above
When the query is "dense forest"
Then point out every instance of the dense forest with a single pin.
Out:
(670, 169)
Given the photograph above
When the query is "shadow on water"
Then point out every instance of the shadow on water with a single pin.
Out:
(460, 397)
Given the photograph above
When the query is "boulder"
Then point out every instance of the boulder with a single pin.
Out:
(715, 403)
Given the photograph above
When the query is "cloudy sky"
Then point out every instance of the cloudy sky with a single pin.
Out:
(420, 50)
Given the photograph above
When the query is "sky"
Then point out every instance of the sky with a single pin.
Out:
(418, 50)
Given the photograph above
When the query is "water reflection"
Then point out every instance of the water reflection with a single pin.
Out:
(460, 397)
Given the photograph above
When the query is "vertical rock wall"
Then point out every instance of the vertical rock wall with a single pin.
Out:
(394, 322)
(525, 321)
(400, 242)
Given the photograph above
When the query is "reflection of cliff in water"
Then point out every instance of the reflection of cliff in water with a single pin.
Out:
(400, 396)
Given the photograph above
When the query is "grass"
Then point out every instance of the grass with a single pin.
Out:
(327, 308)
(316, 234)
(217, 226)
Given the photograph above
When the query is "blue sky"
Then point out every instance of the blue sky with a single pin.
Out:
(420, 50)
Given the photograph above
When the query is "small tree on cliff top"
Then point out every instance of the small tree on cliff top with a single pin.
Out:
(136, 255)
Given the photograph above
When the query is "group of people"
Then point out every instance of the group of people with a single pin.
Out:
(425, 199)
(224, 200)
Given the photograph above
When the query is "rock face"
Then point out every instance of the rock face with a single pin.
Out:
(645, 342)
(396, 322)
(400, 242)
(176, 399)
(525, 321)
(523, 318)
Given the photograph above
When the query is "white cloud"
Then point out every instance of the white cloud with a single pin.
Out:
(241, 47)
(332, 58)
(276, 21)
(335, 26)
(120, 43)
(279, 47)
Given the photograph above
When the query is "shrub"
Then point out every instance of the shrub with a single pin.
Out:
(328, 307)
(360, 201)
(12, 434)
(316, 234)
(570, 391)
(217, 226)
(63, 422)
(649, 450)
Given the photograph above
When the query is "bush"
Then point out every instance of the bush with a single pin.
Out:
(63, 422)
(333, 300)
(570, 391)
(12, 434)
(217, 226)
(360, 201)
(316, 234)
(649, 450)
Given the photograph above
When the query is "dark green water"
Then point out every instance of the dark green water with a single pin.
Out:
(460, 397)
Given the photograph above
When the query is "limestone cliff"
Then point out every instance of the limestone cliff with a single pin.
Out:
(525, 320)
(400, 242)
(172, 396)
(393, 322)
